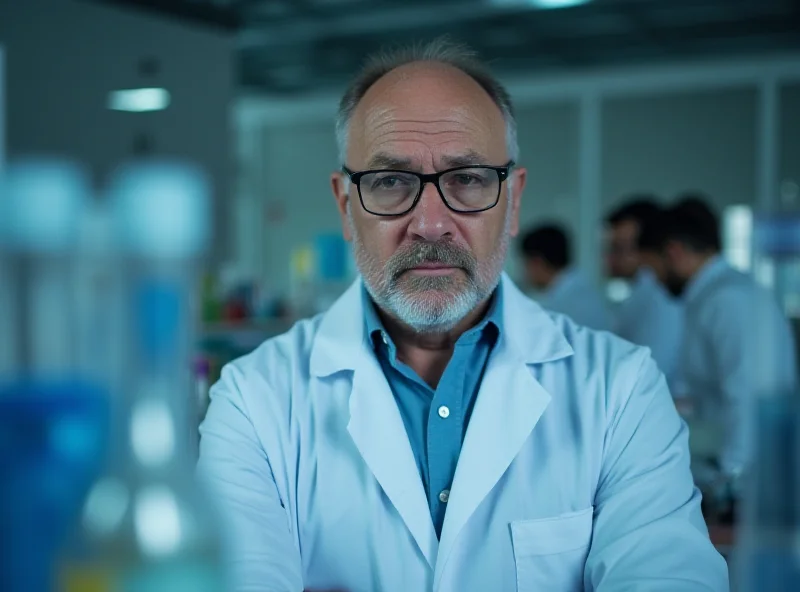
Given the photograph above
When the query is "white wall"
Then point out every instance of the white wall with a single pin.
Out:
(665, 130)
(548, 138)
(63, 57)
(681, 141)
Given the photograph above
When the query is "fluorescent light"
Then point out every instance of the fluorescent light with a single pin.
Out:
(557, 3)
(543, 4)
(139, 100)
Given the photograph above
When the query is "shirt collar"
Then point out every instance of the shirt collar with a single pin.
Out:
(530, 335)
(378, 334)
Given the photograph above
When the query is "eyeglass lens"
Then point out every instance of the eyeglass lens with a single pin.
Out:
(393, 192)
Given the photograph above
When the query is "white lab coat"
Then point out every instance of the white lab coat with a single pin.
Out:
(572, 294)
(738, 345)
(651, 317)
(574, 472)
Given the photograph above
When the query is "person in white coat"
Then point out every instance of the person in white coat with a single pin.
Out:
(738, 345)
(650, 316)
(436, 429)
(562, 287)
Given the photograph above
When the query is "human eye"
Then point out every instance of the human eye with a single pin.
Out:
(389, 181)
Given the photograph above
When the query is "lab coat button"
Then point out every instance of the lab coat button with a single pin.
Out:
(444, 412)
(444, 496)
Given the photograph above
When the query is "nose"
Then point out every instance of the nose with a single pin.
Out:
(431, 220)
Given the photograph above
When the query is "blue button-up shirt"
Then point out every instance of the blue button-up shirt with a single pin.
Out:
(436, 419)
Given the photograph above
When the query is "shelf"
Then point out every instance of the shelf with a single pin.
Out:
(247, 334)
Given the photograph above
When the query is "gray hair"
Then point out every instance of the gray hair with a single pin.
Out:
(440, 50)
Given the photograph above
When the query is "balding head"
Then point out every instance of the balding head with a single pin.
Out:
(426, 116)
(440, 52)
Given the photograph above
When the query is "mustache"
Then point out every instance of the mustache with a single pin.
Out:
(445, 252)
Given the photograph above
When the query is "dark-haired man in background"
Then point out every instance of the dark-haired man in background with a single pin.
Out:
(547, 256)
(738, 345)
(650, 316)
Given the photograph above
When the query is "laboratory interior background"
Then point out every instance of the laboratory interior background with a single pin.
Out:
(614, 98)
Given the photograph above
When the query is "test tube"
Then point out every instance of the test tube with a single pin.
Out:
(45, 200)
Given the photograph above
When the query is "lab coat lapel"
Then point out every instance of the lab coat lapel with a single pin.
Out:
(375, 424)
(509, 404)
(380, 435)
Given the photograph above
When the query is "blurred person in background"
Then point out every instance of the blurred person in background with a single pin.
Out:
(737, 343)
(547, 255)
(650, 316)
(436, 429)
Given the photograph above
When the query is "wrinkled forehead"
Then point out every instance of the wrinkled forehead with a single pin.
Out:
(427, 114)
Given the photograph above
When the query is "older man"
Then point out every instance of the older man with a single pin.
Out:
(435, 429)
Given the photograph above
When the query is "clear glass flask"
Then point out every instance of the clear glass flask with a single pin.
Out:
(146, 525)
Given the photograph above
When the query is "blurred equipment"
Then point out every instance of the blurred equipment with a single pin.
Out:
(145, 525)
(767, 556)
(53, 404)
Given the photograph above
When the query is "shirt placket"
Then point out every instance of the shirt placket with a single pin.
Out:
(444, 435)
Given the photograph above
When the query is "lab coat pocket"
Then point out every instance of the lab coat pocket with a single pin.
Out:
(550, 553)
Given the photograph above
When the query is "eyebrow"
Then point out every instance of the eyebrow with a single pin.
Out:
(469, 158)
(384, 160)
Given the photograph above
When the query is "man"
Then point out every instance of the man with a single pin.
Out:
(649, 316)
(435, 429)
(548, 267)
(738, 345)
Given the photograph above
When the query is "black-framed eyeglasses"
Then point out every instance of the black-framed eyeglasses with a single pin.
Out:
(465, 189)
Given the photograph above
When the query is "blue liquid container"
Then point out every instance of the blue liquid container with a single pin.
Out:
(331, 255)
(53, 407)
(52, 441)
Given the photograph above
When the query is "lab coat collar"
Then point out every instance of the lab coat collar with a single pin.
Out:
(704, 277)
(645, 284)
(342, 338)
(510, 402)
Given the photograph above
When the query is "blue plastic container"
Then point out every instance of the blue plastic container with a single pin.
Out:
(53, 437)
(331, 255)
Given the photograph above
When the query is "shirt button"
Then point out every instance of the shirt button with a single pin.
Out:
(444, 496)
(444, 412)
(384, 338)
